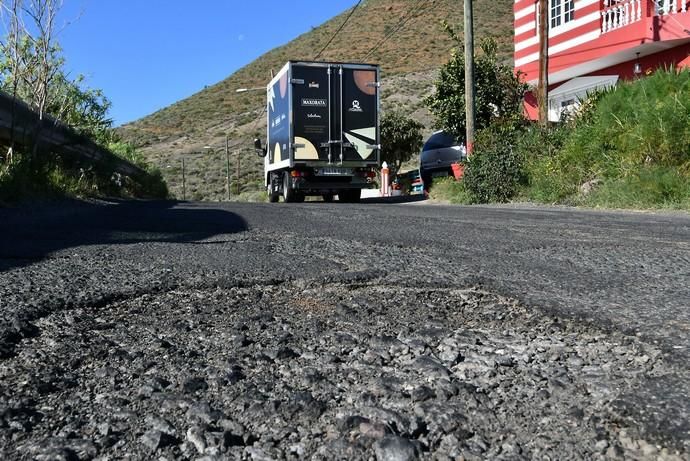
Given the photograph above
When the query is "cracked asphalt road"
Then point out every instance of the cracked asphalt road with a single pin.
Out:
(249, 331)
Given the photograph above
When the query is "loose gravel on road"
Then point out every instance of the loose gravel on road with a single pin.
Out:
(226, 338)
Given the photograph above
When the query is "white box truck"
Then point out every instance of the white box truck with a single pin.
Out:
(323, 131)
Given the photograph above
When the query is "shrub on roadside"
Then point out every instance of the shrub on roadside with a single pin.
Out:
(451, 191)
(626, 136)
(154, 186)
(26, 178)
(48, 175)
(650, 187)
(255, 196)
(538, 147)
(643, 122)
(630, 144)
(494, 173)
(499, 91)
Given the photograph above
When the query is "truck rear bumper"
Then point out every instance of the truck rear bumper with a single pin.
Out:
(324, 186)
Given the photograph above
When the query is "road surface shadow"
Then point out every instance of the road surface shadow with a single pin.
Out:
(30, 234)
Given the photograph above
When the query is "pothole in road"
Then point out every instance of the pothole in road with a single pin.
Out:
(324, 370)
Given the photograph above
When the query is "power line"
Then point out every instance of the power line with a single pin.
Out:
(404, 20)
(338, 31)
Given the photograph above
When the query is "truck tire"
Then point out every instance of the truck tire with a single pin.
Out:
(272, 196)
(350, 196)
(290, 194)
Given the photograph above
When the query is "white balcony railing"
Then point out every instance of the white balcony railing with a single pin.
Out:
(663, 7)
(620, 13)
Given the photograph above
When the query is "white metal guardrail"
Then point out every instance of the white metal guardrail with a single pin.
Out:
(21, 124)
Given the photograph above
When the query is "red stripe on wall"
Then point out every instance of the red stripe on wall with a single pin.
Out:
(524, 20)
(579, 13)
(609, 43)
(673, 57)
(522, 5)
(564, 37)
(526, 36)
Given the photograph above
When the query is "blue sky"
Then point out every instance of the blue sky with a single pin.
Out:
(148, 54)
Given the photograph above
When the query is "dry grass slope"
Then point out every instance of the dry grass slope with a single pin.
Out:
(409, 60)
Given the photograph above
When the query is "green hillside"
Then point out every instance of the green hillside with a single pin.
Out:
(404, 36)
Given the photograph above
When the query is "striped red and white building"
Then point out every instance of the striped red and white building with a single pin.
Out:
(594, 43)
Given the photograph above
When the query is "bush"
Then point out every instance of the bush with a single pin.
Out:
(633, 140)
(494, 173)
(499, 91)
(644, 122)
(451, 191)
(154, 186)
(250, 196)
(637, 125)
(650, 187)
(27, 178)
(48, 175)
(538, 147)
(401, 137)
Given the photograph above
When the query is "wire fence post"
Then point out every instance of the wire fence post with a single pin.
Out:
(238, 172)
(184, 192)
(227, 168)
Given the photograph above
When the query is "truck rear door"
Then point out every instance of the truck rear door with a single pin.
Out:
(312, 107)
(360, 114)
(335, 114)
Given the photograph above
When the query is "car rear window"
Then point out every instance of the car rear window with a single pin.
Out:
(439, 141)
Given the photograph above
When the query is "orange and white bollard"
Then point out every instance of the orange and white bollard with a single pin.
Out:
(385, 180)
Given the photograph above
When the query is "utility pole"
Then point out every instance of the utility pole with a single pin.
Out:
(227, 168)
(543, 85)
(238, 172)
(469, 77)
(184, 195)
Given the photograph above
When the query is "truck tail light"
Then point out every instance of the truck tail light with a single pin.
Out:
(295, 174)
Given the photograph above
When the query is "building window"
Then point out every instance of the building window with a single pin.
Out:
(568, 10)
(555, 13)
(561, 12)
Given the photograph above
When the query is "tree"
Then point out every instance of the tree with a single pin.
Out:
(32, 70)
(82, 108)
(10, 48)
(499, 92)
(400, 138)
(32, 59)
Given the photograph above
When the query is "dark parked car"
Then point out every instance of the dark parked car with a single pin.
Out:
(440, 151)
